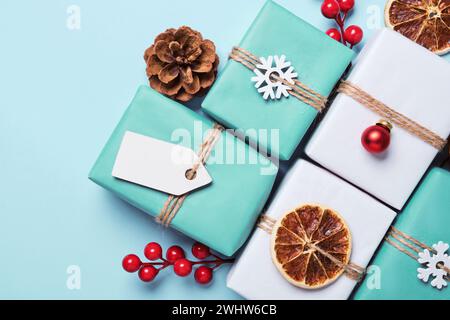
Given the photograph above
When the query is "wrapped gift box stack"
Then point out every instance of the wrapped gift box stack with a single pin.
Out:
(237, 193)
(319, 61)
(222, 213)
(409, 79)
(425, 218)
(254, 276)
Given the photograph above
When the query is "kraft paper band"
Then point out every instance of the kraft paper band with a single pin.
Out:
(397, 238)
(299, 90)
(173, 203)
(352, 271)
(365, 99)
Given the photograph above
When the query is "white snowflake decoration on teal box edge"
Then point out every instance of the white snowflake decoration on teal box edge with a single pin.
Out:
(265, 69)
(431, 261)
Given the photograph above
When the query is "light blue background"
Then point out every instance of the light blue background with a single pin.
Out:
(62, 92)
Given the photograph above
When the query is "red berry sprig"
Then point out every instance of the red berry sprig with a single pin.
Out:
(175, 257)
(338, 10)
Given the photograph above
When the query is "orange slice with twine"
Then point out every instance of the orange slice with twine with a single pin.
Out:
(311, 246)
(426, 22)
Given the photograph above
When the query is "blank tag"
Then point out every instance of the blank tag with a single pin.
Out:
(158, 164)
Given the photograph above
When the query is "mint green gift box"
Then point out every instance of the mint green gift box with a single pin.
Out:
(427, 219)
(221, 214)
(319, 61)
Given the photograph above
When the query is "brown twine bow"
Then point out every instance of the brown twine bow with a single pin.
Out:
(391, 115)
(298, 89)
(410, 243)
(173, 203)
(353, 271)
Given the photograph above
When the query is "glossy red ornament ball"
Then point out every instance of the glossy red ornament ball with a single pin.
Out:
(200, 251)
(330, 9)
(346, 5)
(182, 267)
(353, 35)
(148, 273)
(334, 33)
(174, 253)
(203, 275)
(131, 263)
(376, 139)
(153, 251)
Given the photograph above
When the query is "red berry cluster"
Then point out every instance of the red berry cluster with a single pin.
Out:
(175, 257)
(338, 10)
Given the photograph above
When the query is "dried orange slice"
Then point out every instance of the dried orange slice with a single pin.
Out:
(426, 22)
(311, 246)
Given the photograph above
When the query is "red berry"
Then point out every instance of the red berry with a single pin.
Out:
(182, 267)
(148, 273)
(334, 33)
(131, 263)
(203, 275)
(346, 5)
(330, 9)
(174, 253)
(200, 251)
(153, 251)
(353, 35)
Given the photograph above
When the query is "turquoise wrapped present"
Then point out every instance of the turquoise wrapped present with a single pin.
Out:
(427, 219)
(221, 214)
(318, 60)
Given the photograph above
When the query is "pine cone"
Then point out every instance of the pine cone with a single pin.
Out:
(181, 64)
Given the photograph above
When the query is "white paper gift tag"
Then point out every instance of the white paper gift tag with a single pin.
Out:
(158, 164)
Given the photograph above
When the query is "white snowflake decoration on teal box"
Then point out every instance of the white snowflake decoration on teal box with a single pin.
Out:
(268, 86)
(431, 261)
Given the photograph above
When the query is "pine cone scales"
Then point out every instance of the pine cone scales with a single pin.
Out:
(181, 64)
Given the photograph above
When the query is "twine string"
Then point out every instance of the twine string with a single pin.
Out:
(397, 238)
(298, 89)
(365, 99)
(266, 223)
(352, 270)
(255, 60)
(173, 203)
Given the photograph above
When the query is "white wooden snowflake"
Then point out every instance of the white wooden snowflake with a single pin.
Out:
(431, 261)
(268, 86)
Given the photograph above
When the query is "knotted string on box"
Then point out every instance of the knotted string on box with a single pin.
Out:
(410, 246)
(298, 89)
(173, 203)
(365, 99)
(352, 271)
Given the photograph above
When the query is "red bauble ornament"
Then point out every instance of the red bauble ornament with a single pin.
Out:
(376, 139)
(353, 35)
(334, 33)
(182, 267)
(346, 5)
(200, 251)
(131, 263)
(153, 251)
(203, 275)
(330, 9)
(174, 253)
(148, 273)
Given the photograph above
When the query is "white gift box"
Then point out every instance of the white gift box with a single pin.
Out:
(409, 79)
(254, 276)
